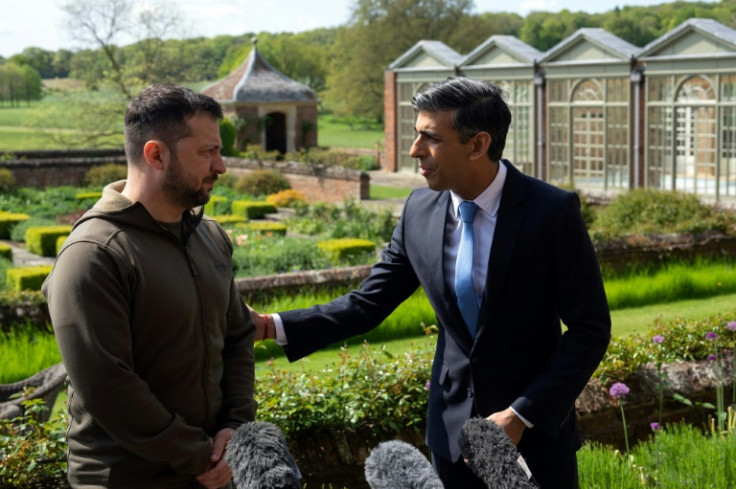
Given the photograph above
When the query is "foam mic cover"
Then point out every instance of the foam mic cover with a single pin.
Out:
(259, 458)
(492, 457)
(398, 465)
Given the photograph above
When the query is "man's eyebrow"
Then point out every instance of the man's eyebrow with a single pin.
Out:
(425, 132)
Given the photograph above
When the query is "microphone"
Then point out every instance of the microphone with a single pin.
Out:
(398, 465)
(259, 458)
(492, 457)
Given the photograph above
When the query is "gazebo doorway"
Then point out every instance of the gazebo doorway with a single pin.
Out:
(276, 132)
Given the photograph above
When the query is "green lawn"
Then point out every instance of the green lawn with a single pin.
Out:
(381, 192)
(624, 322)
(340, 132)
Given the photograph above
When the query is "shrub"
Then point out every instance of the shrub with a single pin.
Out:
(342, 249)
(33, 452)
(262, 182)
(227, 180)
(42, 240)
(7, 180)
(263, 227)
(217, 206)
(257, 254)
(649, 211)
(6, 251)
(227, 135)
(252, 209)
(8, 220)
(361, 162)
(60, 243)
(285, 198)
(99, 176)
(229, 219)
(27, 278)
(88, 196)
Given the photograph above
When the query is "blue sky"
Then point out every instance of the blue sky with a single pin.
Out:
(39, 23)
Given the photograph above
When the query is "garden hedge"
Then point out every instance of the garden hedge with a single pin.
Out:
(264, 227)
(8, 220)
(342, 248)
(41, 240)
(218, 205)
(28, 278)
(6, 251)
(252, 209)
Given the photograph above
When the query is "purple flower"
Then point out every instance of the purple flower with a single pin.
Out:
(619, 390)
(426, 386)
(710, 335)
(658, 339)
(655, 426)
(731, 326)
(711, 357)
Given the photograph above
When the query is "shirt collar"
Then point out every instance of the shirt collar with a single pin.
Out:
(490, 199)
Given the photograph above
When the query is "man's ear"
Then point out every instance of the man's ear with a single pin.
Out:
(480, 144)
(155, 152)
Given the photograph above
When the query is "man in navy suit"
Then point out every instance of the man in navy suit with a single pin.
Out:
(533, 265)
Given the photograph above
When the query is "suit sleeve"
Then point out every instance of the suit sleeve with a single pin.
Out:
(583, 308)
(390, 282)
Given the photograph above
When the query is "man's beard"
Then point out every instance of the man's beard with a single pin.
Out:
(178, 190)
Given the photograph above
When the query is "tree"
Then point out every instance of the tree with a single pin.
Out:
(380, 31)
(19, 83)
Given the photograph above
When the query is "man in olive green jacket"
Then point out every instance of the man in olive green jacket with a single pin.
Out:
(154, 334)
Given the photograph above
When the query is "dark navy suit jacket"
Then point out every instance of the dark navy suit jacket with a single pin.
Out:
(542, 269)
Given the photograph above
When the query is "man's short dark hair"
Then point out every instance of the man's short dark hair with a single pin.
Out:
(162, 112)
(476, 106)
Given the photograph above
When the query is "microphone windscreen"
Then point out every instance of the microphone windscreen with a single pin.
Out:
(491, 456)
(259, 458)
(398, 465)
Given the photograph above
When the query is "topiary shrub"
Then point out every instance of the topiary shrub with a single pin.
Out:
(285, 198)
(262, 182)
(8, 220)
(27, 278)
(264, 227)
(344, 248)
(217, 206)
(99, 176)
(42, 240)
(227, 135)
(7, 181)
(6, 251)
(252, 209)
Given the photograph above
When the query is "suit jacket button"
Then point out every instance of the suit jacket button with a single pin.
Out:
(470, 392)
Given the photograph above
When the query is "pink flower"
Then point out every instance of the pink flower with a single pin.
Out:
(731, 326)
(658, 339)
(710, 335)
(426, 386)
(711, 357)
(655, 426)
(619, 390)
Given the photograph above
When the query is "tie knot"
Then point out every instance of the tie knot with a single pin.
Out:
(468, 210)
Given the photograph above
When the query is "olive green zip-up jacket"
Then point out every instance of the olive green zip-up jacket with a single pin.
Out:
(157, 343)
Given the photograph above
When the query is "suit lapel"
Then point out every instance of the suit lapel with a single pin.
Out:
(508, 224)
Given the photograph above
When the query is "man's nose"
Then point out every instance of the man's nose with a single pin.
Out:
(416, 149)
(218, 164)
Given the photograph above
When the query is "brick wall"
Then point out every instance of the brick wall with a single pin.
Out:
(308, 139)
(390, 111)
(57, 171)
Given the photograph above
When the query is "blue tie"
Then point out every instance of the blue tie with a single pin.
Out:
(464, 289)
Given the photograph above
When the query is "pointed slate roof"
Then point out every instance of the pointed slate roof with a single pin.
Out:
(515, 48)
(441, 53)
(721, 35)
(256, 81)
(601, 41)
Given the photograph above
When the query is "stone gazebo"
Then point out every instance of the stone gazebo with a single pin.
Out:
(278, 112)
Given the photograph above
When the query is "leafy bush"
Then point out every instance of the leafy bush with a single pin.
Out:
(350, 221)
(7, 181)
(6, 252)
(252, 209)
(316, 156)
(99, 176)
(217, 206)
(27, 278)
(262, 182)
(256, 254)
(372, 390)
(18, 232)
(285, 198)
(263, 227)
(341, 250)
(42, 240)
(648, 211)
(227, 135)
(33, 453)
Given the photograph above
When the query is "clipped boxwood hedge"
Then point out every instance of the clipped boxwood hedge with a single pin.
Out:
(229, 219)
(264, 227)
(41, 240)
(6, 251)
(8, 220)
(252, 209)
(340, 249)
(218, 205)
(27, 278)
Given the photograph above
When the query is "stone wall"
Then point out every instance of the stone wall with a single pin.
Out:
(43, 169)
